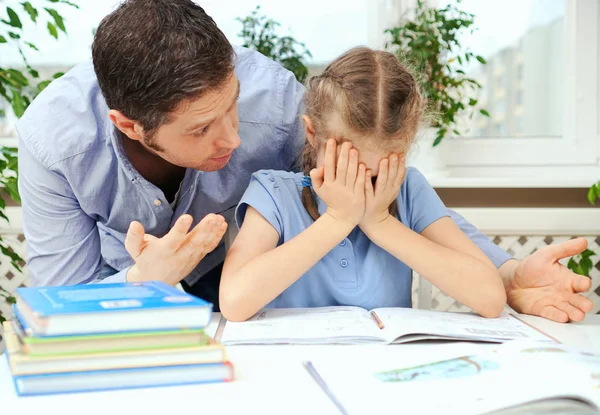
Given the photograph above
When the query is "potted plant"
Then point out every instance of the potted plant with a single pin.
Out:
(18, 87)
(431, 43)
(258, 33)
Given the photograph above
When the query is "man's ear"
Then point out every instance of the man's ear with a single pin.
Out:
(310, 131)
(127, 126)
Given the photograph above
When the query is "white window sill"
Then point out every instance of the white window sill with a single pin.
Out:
(440, 181)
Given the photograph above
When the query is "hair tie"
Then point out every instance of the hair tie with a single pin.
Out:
(306, 182)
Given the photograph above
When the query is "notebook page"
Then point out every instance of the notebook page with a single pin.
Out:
(409, 321)
(304, 325)
(483, 382)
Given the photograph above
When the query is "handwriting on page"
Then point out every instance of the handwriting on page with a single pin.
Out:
(279, 325)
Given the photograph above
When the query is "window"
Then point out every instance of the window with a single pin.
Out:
(526, 64)
(540, 85)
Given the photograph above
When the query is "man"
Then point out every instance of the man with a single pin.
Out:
(168, 125)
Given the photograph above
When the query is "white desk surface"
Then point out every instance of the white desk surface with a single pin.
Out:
(269, 380)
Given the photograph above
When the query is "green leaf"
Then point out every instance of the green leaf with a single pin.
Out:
(18, 105)
(484, 112)
(69, 3)
(32, 46)
(33, 13)
(58, 75)
(14, 35)
(480, 59)
(587, 253)
(17, 77)
(13, 17)
(3, 39)
(34, 73)
(57, 19)
(472, 102)
(52, 30)
(13, 190)
(3, 216)
(592, 195)
(42, 85)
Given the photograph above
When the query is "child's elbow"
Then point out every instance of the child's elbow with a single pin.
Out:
(231, 309)
(493, 303)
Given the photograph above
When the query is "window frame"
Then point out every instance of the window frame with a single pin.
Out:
(578, 146)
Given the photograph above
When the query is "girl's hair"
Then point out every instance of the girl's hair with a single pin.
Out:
(375, 96)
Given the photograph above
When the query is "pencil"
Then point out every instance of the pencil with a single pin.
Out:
(315, 375)
(377, 320)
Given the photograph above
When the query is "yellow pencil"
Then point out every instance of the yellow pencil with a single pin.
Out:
(377, 320)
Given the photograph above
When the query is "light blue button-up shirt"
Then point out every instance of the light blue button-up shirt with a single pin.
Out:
(80, 192)
(357, 272)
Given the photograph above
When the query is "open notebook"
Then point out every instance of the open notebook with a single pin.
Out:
(354, 325)
(514, 378)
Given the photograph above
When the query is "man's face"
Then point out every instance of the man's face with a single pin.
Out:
(201, 134)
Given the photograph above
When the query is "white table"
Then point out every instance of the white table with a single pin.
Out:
(269, 380)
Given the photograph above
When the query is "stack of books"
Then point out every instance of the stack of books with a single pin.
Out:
(110, 336)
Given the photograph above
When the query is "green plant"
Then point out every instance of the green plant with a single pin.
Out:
(258, 33)
(431, 43)
(594, 193)
(18, 87)
(582, 264)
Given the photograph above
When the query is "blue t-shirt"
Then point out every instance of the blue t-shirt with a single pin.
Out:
(357, 272)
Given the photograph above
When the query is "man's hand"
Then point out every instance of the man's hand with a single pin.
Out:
(540, 285)
(172, 257)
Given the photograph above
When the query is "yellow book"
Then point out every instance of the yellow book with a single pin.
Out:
(23, 364)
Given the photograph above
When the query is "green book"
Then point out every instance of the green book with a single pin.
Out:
(108, 342)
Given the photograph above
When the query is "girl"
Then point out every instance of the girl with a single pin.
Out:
(353, 233)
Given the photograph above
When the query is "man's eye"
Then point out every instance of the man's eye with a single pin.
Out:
(200, 133)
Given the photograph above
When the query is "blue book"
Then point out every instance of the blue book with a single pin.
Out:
(99, 380)
(109, 308)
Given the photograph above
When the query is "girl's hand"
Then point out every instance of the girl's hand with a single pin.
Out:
(379, 198)
(341, 185)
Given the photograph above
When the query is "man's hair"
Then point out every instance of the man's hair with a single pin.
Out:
(151, 55)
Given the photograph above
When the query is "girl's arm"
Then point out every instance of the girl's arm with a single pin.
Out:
(256, 271)
(441, 252)
(448, 259)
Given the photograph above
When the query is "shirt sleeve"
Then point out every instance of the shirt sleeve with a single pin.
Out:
(496, 254)
(423, 204)
(292, 136)
(62, 241)
(260, 195)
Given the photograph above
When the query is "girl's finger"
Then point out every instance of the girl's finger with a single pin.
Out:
(382, 176)
(317, 177)
(330, 156)
(399, 179)
(361, 183)
(393, 170)
(342, 163)
(352, 168)
(370, 192)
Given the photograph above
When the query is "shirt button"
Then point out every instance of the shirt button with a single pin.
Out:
(343, 243)
(157, 202)
(344, 263)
